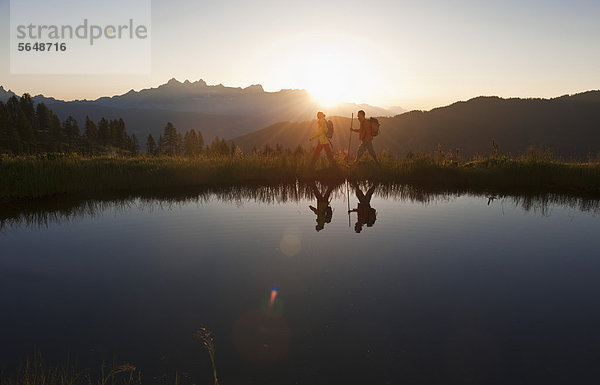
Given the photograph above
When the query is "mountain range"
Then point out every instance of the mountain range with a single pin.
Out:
(215, 110)
(569, 125)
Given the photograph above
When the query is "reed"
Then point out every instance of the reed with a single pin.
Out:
(206, 338)
(35, 371)
(29, 177)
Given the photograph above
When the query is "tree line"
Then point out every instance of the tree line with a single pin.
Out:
(173, 143)
(29, 128)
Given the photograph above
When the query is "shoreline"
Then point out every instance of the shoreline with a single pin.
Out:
(42, 176)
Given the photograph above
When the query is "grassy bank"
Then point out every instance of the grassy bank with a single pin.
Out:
(32, 177)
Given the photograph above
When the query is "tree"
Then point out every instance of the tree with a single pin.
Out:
(71, 129)
(42, 117)
(26, 104)
(118, 135)
(135, 145)
(56, 133)
(151, 148)
(114, 135)
(4, 143)
(200, 142)
(190, 143)
(25, 130)
(91, 132)
(26, 127)
(103, 132)
(170, 139)
(219, 147)
(161, 146)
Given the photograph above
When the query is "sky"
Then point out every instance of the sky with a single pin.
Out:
(414, 54)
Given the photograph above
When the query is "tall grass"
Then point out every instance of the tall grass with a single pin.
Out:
(206, 338)
(26, 177)
(36, 372)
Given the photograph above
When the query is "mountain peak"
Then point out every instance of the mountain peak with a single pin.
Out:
(255, 88)
(4, 94)
(173, 82)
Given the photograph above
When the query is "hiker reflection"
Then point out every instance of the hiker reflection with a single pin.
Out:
(323, 210)
(366, 214)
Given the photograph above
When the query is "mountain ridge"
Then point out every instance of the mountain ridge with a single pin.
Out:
(216, 110)
(569, 124)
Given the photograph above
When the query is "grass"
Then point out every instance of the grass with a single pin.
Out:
(36, 372)
(30, 177)
(205, 336)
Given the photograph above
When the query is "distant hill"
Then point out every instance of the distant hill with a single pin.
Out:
(217, 110)
(569, 124)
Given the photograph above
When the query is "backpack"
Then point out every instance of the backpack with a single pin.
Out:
(374, 126)
(329, 133)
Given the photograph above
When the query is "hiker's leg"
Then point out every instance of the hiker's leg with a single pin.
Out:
(372, 151)
(317, 150)
(327, 149)
(361, 150)
(360, 195)
(370, 193)
(315, 155)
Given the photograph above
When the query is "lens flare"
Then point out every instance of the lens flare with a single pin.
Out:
(274, 292)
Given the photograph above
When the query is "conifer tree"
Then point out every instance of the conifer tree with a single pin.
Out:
(151, 146)
(91, 132)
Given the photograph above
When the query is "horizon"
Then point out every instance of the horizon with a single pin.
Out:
(36, 94)
(416, 56)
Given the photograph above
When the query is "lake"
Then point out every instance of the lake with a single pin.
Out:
(413, 287)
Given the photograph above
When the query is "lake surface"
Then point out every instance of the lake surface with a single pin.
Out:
(428, 288)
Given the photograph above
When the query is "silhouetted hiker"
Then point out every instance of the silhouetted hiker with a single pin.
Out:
(324, 143)
(323, 210)
(366, 139)
(366, 214)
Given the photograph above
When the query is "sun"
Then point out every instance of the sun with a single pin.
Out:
(330, 78)
(331, 68)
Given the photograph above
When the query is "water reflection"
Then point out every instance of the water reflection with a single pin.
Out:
(63, 209)
(452, 283)
(323, 210)
(366, 215)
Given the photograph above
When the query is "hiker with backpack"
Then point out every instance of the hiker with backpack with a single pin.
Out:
(368, 129)
(323, 210)
(366, 214)
(323, 134)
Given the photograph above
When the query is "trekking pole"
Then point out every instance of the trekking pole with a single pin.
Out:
(350, 139)
(348, 194)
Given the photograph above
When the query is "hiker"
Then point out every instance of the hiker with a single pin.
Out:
(324, 143)
(366, 138)
(366, 214)
(323, 210)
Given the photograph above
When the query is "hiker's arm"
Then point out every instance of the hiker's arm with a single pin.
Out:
(319, 133)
